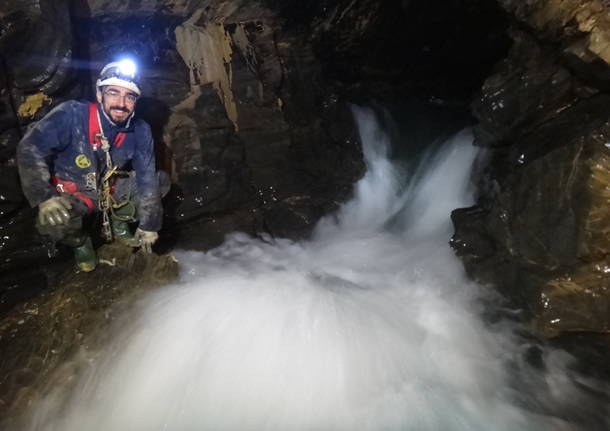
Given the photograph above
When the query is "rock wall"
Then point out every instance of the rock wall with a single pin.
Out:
(540, 229)
(36, 52)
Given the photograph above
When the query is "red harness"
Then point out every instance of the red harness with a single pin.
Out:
(64, 186)
(95, 131)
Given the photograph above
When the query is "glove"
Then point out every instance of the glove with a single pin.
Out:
(146, 239)
(54, 211)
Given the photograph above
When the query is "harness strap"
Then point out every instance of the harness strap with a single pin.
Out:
(98, 139)
(64, 186)
(95, 129)
(105, 200)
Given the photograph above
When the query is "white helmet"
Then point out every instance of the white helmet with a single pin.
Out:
(122, 73)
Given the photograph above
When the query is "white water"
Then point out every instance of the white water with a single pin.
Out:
(357, 329)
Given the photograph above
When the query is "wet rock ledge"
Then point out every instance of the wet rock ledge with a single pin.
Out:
(540, 230)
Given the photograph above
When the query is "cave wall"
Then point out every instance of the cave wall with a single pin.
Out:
(540, 229)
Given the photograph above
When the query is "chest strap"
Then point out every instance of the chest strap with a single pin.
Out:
(99, 140)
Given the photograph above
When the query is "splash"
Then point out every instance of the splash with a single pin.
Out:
(371, 325)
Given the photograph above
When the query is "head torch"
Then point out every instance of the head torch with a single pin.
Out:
(121, 73)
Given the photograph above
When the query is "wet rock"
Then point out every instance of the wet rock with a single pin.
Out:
(209, 158)
(254, 135)
(21, 248)
(574, 23)
(293, 217)
(539, 231)
(37, 49)
(11, 197)
(39, 58)
(8, 145)
(541, 219)
(556, 184)
(576, 302)
(528, 88)
(205, 233)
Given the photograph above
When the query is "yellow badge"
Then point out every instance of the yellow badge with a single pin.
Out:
(82, 161)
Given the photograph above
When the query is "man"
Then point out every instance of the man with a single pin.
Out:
(73, 163)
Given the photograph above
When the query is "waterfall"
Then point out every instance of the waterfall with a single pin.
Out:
(370, 325)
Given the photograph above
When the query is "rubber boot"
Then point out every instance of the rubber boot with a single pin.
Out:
(121, 217)
(84, 253)
(85, 257)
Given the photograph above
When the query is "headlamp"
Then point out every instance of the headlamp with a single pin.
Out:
(127, 68)
(123, 73)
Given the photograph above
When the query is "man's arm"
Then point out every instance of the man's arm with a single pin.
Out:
(150, 210)
(47, 137)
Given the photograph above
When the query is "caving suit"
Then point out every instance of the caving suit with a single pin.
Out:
(61, 154)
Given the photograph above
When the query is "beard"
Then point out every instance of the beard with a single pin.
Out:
(119, 115)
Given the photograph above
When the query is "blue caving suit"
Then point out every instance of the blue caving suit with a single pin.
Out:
(56, 156)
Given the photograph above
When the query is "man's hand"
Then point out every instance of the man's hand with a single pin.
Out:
(54, 211)
(147, 239)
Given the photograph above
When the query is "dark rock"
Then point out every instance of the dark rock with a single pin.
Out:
(408, 47)
(292, 218)
(578, 301)
(8, 109)
(18, 287)
(578, 28)
(35, 60)
(539, 231)
(11, 197)
(526, 90)
(8, 144)
(21, 248)
(204, 233)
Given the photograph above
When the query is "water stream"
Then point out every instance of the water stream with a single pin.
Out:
(370, 325)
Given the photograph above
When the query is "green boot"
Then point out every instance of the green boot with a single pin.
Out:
(84, 253)
(121, 217)
(85, 256)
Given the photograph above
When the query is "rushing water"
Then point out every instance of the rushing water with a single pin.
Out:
(371, 325)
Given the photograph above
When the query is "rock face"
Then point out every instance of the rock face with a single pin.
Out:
(540, 230)
(581, 27)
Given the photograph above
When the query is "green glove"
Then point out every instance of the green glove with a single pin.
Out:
(146, 239)
(54, 211)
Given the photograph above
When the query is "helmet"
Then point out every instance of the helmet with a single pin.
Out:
(122, 73)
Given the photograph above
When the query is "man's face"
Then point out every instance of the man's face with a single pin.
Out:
(117, 102)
